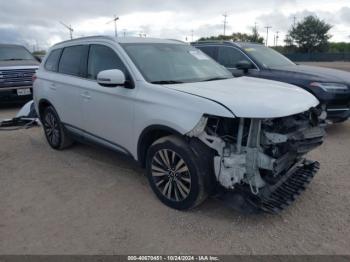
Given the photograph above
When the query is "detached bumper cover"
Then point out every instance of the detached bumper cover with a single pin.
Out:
(279, 196)
(273, 198)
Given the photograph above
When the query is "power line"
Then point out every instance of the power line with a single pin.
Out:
(267, 34)
(225, 22)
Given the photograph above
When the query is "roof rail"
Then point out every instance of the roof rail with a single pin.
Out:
(87, 38)
(177, 40)
(237, 43)
(213, 41)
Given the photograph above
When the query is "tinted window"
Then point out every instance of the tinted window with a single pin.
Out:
(229, 57)
(103, 58)
(52, 61)
(71, 60)
(8, 53)
(210, 51)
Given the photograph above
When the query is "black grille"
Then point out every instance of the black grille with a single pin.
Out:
(16, 77)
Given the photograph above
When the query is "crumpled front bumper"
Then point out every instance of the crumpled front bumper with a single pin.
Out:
(274, 198)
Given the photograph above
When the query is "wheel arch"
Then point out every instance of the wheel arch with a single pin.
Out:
(148, 136)
(43, 103)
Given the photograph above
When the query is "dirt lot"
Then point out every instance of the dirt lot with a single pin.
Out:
(88, 200)
(337, 65)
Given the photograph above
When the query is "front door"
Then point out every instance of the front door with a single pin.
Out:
(107, 111)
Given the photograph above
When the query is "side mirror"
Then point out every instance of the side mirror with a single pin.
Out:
(111, 78)
(244, 65)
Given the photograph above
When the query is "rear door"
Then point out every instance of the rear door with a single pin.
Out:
(69, 87)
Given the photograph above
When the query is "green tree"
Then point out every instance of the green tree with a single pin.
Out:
(237, 37)
(39, 53)
(255, 37)
(310, 35)
(340, 47)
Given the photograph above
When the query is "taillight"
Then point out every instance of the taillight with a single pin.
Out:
(34, 78)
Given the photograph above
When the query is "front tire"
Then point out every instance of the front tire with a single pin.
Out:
(175, 173)
(56, 134)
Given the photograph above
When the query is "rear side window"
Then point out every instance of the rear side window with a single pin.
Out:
(230, 57)
(211, 51)
(71, 60)
(103, 58)
(52, 61)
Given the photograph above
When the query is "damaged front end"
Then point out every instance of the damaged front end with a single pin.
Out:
(259, 163)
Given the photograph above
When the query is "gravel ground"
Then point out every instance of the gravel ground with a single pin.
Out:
(337, 65)
(88, 200)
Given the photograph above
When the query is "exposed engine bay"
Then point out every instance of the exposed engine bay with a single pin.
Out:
(263, 158)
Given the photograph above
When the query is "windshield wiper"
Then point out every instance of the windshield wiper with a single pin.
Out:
(167, 82)
(214, 79)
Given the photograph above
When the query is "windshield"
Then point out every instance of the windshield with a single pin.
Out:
(8, 53)
(267, 56)
(174, 63)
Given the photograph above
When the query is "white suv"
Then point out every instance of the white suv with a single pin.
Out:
(196, 129)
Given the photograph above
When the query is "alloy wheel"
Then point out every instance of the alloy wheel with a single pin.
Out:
(171, 175)
(52, 129)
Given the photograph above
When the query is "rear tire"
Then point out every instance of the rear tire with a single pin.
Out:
(176, 175)
(56, 134)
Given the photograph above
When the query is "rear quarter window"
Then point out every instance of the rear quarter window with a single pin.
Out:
(51, 63)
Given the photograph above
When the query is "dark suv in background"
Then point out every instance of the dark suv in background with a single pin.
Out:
(331, 87)
(17, 67)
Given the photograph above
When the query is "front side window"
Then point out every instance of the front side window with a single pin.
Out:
(51, 63)
(71, 60)
(102, 58)
(230, 57)
(162, 63)
(13, 53)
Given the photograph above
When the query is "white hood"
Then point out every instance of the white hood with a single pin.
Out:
(252, 97)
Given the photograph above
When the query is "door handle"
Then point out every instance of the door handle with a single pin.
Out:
(86, 96)
(53, 86)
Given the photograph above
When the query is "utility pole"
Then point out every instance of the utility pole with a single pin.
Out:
(225, 22)
(124, 32)
(277, 36)
(294, 21)
(69, 28)
(267, 34)
(192, 35)
(115, 19)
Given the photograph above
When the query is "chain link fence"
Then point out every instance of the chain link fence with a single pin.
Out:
(318, 57)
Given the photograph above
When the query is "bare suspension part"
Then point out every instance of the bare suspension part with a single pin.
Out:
(252, 156)
(254, 152)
